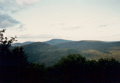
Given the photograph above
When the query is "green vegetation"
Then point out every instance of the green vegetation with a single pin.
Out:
(77, 69)
(74, 68)
(57, 41)
(40, 52)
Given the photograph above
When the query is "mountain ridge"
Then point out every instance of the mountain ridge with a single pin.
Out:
(41, 52)
(57, 41)
(60, 41)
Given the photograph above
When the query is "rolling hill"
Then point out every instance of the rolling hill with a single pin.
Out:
(57, 41)
(21, 44)
(42, 52)
(85, 45)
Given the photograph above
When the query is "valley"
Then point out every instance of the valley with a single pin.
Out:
(50, 52)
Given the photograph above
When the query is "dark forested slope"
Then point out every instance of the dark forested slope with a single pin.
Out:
(40, 52)
(85, 45)
(57, 41)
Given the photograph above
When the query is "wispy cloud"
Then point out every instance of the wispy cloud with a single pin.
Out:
(15, 5)
(42, 37)
(116, 35)
(103, 25)
(24, 2)
(36, 36)
(65, 26)
(7, 21)
(8, 7)
(71, 28)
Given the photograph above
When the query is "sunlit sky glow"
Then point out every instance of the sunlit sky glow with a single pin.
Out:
(42, 20)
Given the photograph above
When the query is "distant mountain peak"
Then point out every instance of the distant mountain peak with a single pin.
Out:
(57, 41)
(21, 44)
(91, 41)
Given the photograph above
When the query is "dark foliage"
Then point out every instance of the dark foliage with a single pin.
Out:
(39, 52)
(76, 69)
(14, 68)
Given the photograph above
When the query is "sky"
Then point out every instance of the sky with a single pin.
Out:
(42, 20)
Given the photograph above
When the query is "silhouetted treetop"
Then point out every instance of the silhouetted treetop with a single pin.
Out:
(5, 43)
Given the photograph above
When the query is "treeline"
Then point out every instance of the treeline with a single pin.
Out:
(49, 54)
(14, 68)
(77, 69)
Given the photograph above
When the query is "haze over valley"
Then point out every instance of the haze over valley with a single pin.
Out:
(59, 41)
(49, 52)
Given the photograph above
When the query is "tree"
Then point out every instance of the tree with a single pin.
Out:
(13, 62)
(70, 69)
(5, 43)
(19, 57)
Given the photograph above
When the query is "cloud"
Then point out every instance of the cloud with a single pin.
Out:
(65, 26)
(116, 35)
(10, 7)
(30, 37)
(36, 36)
(103, 25)
(14, 6)
(7, 21)
(71, 28)
(23, 2)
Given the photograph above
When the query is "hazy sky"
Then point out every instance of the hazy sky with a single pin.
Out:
(41, 20)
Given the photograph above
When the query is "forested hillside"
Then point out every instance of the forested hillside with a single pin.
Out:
(57, 41)
(41, 52)
(86, 45)
(19, 64)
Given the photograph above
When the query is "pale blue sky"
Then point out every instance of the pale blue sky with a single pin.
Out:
(42, 20)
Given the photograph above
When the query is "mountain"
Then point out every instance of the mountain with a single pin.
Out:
(57, 41)
(86, 45)
(38, 46)
(42, 52)
(21, 44)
